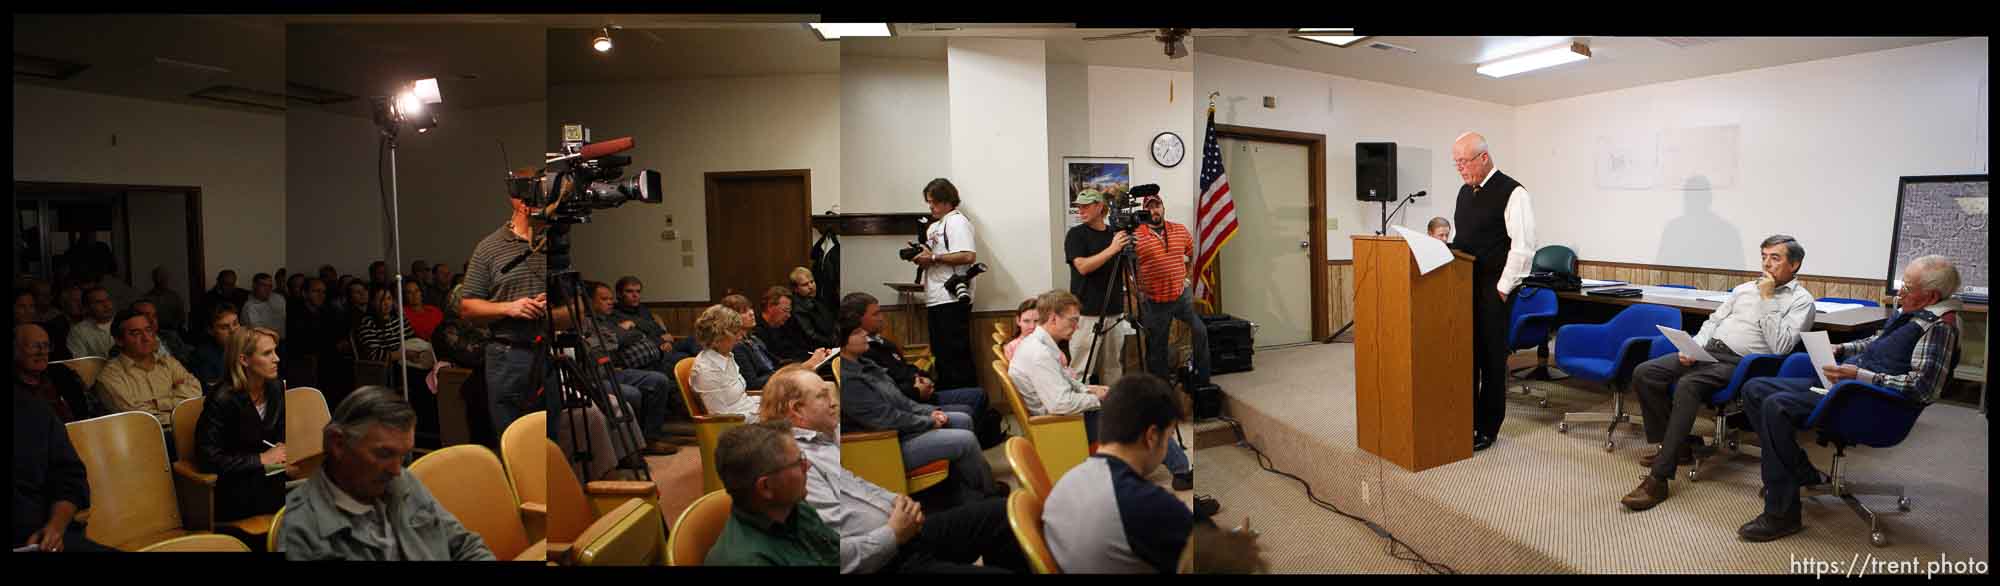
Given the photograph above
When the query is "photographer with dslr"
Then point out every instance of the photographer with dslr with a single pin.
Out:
(1091, 247)
(1166, 264)
(946, 264)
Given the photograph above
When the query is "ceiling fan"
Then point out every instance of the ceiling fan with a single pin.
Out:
(1174, 39)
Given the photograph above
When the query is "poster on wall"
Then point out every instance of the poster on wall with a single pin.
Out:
(1628, 162)
(1107, 174)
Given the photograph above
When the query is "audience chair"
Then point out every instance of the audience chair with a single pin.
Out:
(276, 535)
(521, 452)
(577, 510)
(196, 489)
(132, 499)
(629, 535)
(453, 428)
(1857, 413)
(1028, 468)
(697, 529)
(999, 337)
(1606, 353)
(468, 481)
(707, 428)
(306, 416)
(877, 456)
(1024, 515)
(1534, 315)
(1728, 402)
(86, 368)
(210, 542)
(1060, 441)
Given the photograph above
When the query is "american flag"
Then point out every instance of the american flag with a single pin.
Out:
(1215, 219)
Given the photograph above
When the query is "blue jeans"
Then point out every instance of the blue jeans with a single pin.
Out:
(955, 443)
(1177, 460)
(653, 390)
(1158, 319)
(510, 383)
(1778, 407)
(970, 400)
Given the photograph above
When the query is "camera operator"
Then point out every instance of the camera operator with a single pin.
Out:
(513, 303)
(948, 252)
(1166, 265)
(1091, 247)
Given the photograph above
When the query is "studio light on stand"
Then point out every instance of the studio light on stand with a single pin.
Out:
(410, 108)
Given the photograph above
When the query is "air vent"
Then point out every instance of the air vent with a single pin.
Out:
(1685, 42)
(242, 96)
(1379, 45)
(46, 68)
(314, 95)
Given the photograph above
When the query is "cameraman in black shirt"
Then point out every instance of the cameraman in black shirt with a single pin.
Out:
(1091, 247)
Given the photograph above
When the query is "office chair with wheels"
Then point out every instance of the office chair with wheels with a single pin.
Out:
(1607, 353)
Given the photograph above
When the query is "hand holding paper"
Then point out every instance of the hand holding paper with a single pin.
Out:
(1685, 343)
(1821, 350)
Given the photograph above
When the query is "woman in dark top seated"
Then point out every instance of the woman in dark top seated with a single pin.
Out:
(241, 433)
(208, 363)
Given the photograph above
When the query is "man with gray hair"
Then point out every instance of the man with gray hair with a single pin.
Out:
(1496, 225)
(1763, 316)
(770, 523)
(361, 506)
(1913, 356)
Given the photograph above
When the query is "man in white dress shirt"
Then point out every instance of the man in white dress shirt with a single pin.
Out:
(1496, 225)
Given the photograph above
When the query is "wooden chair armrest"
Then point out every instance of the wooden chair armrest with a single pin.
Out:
(630, 488)
(194, 495)
(535, 519)
(722, 418)
(185, 469)
(562, 554)
(1041, 419)
(81, 517)
(535, 553)
(755, 393)
(852, 437)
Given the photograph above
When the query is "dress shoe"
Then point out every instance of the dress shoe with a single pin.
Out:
(1206, 506)
(1651, 492)
(1686, 453)
(1481, 441)
(1767, 527)
(660, 447)
(1184, 482)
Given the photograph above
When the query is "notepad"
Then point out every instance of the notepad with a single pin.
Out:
(274, 469)
(1685, 343)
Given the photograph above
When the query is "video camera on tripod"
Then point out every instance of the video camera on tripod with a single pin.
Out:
(1130, 212)
(583, 178)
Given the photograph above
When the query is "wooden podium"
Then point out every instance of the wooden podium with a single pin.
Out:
(1412, 355)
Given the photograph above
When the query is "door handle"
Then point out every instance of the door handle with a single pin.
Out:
(1305, 244)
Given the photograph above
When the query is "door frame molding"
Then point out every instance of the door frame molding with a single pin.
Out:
(1315, 144)
(197, 249)
(713, 199)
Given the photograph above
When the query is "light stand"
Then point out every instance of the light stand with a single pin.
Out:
(408, 108)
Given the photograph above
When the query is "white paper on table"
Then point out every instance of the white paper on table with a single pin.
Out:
(1834, 306)
(1821, 351)
(1587, 283)
(1431, 253)
(1685, 343)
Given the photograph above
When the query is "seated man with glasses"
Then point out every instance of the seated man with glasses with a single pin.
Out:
(770, 523)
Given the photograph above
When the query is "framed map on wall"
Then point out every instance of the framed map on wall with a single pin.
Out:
(1943, 215)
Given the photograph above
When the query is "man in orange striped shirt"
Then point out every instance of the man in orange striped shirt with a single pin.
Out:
(1166, 263)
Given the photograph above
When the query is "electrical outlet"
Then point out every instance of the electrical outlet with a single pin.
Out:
(687, 246)
(687, 261)
(1333, 223)
(1365, 497)
(1270, 102)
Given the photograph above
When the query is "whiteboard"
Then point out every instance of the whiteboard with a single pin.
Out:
(1943, 215)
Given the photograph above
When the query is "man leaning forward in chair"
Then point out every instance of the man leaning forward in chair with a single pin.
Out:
(1763, 316)
(769, 523)
(1912, 355)
(362, 505)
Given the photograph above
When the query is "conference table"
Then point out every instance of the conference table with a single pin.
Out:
(1846, 321)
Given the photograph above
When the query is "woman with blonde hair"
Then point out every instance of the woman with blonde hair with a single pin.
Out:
(715, 377)
(241, 434)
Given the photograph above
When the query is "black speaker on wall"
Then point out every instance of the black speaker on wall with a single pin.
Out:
(1375, 171)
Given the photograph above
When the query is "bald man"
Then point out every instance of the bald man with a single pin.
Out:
(1496, 225)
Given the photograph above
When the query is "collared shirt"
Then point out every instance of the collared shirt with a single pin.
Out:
(1930, 362)
(753, 539)
(323, 522)
(852, 506)
(1163, 261)
(717, 381)
(950, 234)
(268, 313)
(124, 385)
(484, 281)
(1750, 324)
(1045, 386)
(90, 338)
(1520, 216)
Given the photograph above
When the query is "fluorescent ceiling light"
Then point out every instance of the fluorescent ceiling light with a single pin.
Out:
(829, 31)
(1338, 37)
(1534, 60)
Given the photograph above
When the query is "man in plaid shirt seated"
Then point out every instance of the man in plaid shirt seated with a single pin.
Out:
(1912, 355)
(636, 365)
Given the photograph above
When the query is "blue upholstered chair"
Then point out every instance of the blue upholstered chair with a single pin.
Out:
(1857, 413)
(1727, 402)
(1534, 316)
(1607, 353)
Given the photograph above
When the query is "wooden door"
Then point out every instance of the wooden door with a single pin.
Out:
(757, 229)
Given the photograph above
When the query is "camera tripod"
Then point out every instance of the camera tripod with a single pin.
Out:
(1124, 271)
(582, 380)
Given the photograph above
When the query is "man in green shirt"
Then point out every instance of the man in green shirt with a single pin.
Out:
(769, 522)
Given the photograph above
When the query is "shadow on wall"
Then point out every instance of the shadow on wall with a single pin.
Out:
(1700, 237)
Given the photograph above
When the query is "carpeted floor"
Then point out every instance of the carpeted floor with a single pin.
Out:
(1542, 501)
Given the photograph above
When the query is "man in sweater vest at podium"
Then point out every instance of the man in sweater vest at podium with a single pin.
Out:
(1496, 225)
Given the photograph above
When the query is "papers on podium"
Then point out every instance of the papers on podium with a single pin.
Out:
(1685, 343)
(1821, 351)
(1431, 253)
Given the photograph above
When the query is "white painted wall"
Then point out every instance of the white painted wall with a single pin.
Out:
(236, 158)
(452, 189)
(1069, 136)
(999, 161)
(159, 238)
(685, 128)
(1130, 106)
(1821, 146)
(1423, 124)
(334, 213)
(895, 136)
